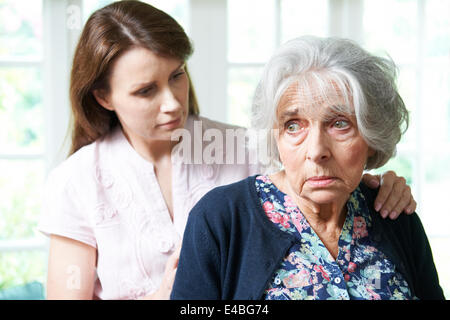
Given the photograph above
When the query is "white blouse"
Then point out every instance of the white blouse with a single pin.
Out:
(107, 196)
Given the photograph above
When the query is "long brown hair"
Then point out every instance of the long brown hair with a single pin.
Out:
(108, 33)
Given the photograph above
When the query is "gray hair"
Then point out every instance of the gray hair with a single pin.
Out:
(364, 79)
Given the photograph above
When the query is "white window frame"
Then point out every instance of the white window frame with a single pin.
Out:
(59, 42)
(208, 64)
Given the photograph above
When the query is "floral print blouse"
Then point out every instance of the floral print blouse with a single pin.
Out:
(310, 272)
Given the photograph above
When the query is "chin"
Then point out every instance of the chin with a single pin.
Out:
(326, 196)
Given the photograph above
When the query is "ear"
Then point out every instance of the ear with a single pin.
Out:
(371, 152)
(103, 99)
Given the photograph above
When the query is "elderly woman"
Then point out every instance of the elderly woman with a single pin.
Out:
(309, 231)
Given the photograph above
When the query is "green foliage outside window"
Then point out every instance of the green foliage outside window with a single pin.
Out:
(21, 135)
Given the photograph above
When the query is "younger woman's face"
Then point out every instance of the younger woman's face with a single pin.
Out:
(149, 94)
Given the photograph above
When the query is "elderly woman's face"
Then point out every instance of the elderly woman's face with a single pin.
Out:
(321, 149)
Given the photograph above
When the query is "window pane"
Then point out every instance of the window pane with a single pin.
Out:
(21, 29)
(407, 87)
(395, 33)
(178, 9)
(89, 6)
(251, 30)
(436, 81)
(437, 177)
(303, 17)
(441, 257)
(435, 116)
(401, 165)
(437, 28)
(241, 87)
(434, 216)
(21, 111)
(18, 268)
(20, 186)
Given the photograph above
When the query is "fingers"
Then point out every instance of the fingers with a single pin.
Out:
(404, 201)
(411, 206)
(389, 207)
(394, 196)
(386, 186)
(371, 181)
(169, 274)
(164, 290)
(168, 281)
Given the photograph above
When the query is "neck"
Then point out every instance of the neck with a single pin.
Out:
(154, 151)
(323, 218)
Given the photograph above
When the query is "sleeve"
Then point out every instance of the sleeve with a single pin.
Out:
(198, 273)
(426, 276)
(62, 210)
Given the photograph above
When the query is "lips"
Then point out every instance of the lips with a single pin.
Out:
(171, 124)
(321, 181)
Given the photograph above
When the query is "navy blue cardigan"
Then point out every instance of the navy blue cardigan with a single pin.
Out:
(231, 250)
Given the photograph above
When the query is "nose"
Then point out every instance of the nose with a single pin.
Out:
(169, 101)
(318, 149)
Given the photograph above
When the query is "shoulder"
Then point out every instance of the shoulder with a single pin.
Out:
(213, 124)
(225, 203)
(75, 165)
(407, 228)
(225, 147)
(229, 195)
(81, 167)
(198, 124)
(93, 155)
(370, 196)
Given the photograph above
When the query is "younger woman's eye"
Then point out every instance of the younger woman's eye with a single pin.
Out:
(178, 74)
(146, 91)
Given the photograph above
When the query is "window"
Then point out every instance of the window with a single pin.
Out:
(37, 40)
(232, 39)
(415, 33)
(22, 157)
(178, 9)
(253, 38)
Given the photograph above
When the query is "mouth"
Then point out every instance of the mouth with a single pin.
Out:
(171, 124)
(320, 181)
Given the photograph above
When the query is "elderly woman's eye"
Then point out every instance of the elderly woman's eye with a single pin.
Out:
(292, 127)
(341, 124)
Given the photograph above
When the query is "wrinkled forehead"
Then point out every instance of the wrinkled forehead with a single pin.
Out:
(316, 94)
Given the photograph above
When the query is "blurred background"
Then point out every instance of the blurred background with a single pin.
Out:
(232, 40)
